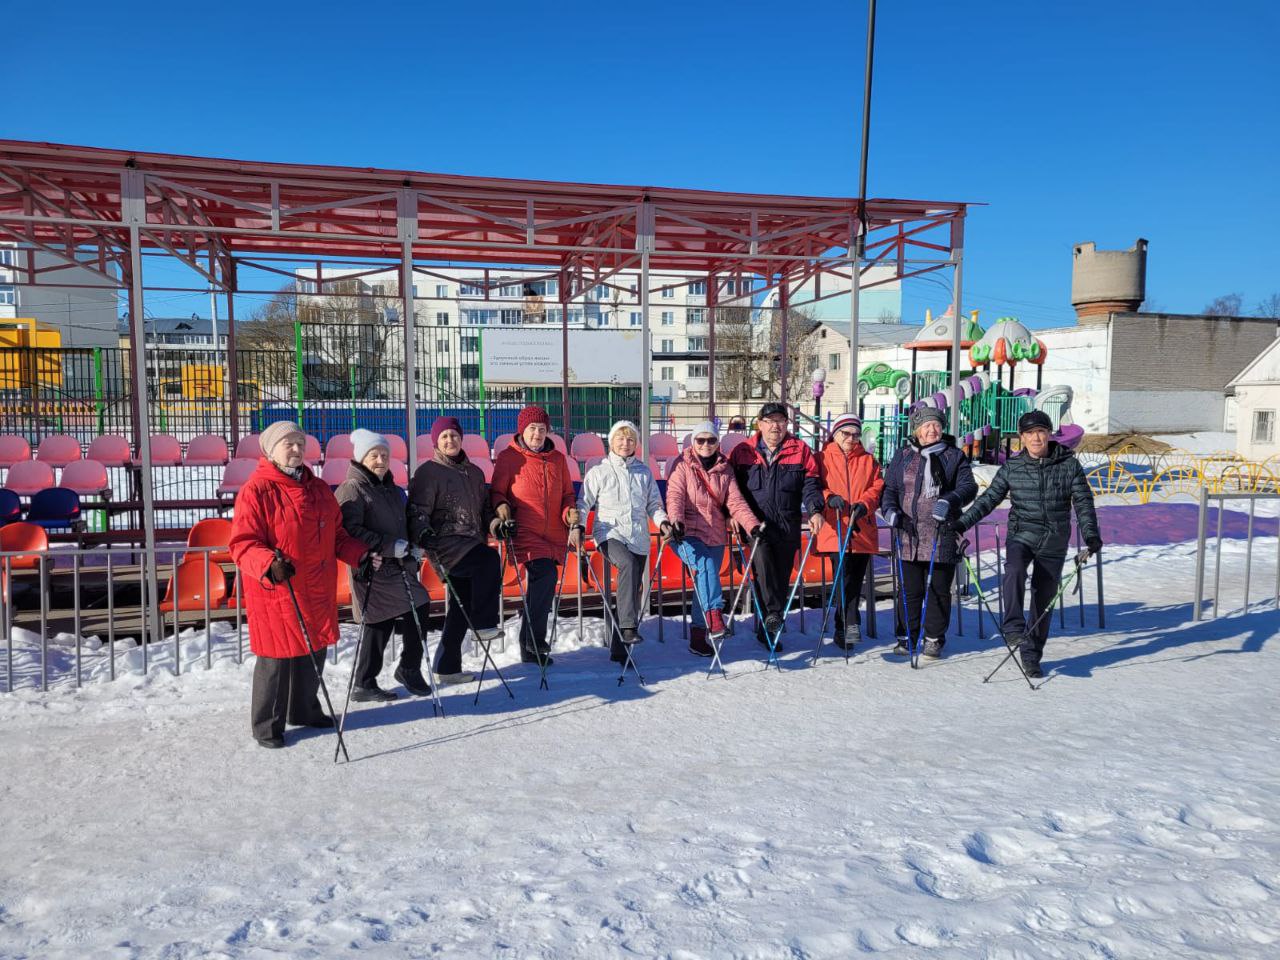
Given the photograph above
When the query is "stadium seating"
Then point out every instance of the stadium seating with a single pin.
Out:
(58, 450)
(166, 451)
(206, 450)
(586, 445)
(88, 478)
(248, 448)
(109, 450)
(24, 538)
(475, 448)
(28, 477)
(212, 532)
(662, 445)
(195, 574)
(13, 449)
(338, 448)
(56, 508)
(10, 508)
(335, 471)
(235, 475)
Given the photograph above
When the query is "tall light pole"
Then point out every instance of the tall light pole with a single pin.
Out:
(860, 232)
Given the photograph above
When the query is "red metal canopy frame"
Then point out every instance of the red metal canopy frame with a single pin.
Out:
(101, 209)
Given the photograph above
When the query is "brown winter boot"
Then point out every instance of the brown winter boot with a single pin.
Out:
(698, 642)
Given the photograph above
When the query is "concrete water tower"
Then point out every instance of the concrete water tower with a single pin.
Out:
(1107, 281)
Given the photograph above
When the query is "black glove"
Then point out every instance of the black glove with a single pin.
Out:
(281, 569)
(836, 502)
(677, 531)
(859, 511)
(759, 532)
(425, 532)
(1094, 544)
(364, 572)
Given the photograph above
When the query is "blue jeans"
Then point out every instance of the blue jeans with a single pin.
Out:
(704, 564)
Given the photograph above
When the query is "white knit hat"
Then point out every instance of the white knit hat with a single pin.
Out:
(706, 427)
(623, 425)
(362, 441)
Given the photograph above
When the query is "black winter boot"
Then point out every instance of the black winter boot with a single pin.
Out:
(413, 681)
(698, 645)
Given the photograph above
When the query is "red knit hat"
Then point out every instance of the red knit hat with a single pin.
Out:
(532, 414)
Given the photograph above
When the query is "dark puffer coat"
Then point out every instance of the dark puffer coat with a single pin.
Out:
(776, 491)
(451, 498)
(373, 511)
(904, 494)
(1042, 493)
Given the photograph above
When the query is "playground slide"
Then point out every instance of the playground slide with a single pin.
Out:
(1067, 434)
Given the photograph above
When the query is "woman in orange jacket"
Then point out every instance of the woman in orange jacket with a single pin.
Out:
(852, 484)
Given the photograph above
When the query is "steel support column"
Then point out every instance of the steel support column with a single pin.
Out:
(564, 354)
(854, 324)
(645, 244)
(233, 362)
(134, 212)
(784, 306)
(713, 300)
(957, 260)
(407, 230)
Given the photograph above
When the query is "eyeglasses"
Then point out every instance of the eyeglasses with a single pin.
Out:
(705, 441)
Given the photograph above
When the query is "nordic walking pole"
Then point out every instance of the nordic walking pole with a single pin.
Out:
(734, 542)
(306, 638)
(748, 573)
(1062, 588)
(355, 662)
(702, 605)
(443, 576)
(555, 610)
(835, 581)
(614, 630)
(436, 705)
(508, 549)
(902, 586)
(986, 604)
(924, 606)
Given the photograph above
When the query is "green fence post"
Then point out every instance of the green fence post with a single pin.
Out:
(97, 388)
(351, 377)
(297, 357)
(480, 366)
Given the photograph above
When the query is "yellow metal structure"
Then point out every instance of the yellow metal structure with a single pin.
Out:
(40, 365)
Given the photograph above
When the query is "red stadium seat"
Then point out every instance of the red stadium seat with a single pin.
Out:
(474, 447)
(248, 448)
(586, 445)
(24, 538)
(662, 445)
(212, 532)
(400, 473)
(190, 581)
(166, 451)
(399, 449)
(58, 450)
(335, 471)
(312, 454)
(339, 448)
(486, 467)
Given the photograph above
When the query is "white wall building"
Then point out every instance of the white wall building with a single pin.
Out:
(85, 314)
(1253, 398)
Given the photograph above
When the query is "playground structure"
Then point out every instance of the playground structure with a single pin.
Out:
(988, 411)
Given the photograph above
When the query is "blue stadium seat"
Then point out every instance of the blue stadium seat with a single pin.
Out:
(10, 507)
(55, 508)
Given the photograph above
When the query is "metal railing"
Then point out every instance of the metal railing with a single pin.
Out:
(1202, 533)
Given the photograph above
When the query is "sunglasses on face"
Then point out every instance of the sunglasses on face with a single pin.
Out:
(705, 441)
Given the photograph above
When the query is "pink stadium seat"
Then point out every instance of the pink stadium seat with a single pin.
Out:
(335, 471)
(589, 463)
(399, 473)
(485, 465)
(662, 445)
(109, 450)
(731, 440)
(574, 473)
(312, 454)
(586, 445)
(655, 467)
(399, 449)
(28, 477)
(88, 478)
(476, 448)
(557, 441)
(57, 450)
(669, 465)
(236, 474)
(248, 448)
(206, 450)
(13, 449)
(166, 451)
(503, 441)
(426, 449)
(338, 448)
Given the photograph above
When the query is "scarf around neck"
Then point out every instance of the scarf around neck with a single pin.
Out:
(932, 477)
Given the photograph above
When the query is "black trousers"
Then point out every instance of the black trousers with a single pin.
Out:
(938, 612)
(285, 690)
(369, 664)
(476, 579)
(772, 567)
(541, 576)
(1046, 572)
(852, 573)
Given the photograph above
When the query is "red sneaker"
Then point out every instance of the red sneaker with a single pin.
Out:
(715, 625)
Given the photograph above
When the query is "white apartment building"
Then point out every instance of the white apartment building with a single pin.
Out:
(678, 321)
(84, 314)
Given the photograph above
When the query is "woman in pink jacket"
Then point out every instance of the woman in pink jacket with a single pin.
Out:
(702, 496)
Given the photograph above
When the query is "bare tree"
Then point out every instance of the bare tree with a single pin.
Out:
(740, 356)
(1227, 305)
(800, 351)
(1269, 307)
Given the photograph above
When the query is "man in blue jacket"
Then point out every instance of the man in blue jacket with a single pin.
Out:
(778, 475)
(1044, 482)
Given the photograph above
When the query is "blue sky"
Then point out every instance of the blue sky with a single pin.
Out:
(1092, 120)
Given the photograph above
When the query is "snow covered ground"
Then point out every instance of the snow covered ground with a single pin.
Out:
(1129, 809)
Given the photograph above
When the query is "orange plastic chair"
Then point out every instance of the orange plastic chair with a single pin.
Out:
(344, 584)
(190, 581)
(212, 532)
(435, 586)
(24, 537)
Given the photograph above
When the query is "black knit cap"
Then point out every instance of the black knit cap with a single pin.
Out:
(1034, 420)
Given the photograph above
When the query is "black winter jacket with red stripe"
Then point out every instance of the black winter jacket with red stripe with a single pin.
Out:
(776, 491)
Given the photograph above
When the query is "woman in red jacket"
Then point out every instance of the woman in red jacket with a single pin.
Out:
(702, 496)
(288, 527)
(852, 484)
(533, 497)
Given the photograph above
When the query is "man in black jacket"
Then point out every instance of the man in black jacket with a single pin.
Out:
(1043, 482)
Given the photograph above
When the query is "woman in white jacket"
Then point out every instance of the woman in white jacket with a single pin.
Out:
(624, 495)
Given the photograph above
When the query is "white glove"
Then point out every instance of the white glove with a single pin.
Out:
(418, 553)
(400, 549)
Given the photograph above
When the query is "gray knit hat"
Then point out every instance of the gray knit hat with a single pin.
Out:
(922, 415)
(362, 441)
(706, 427)
(275, 433)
